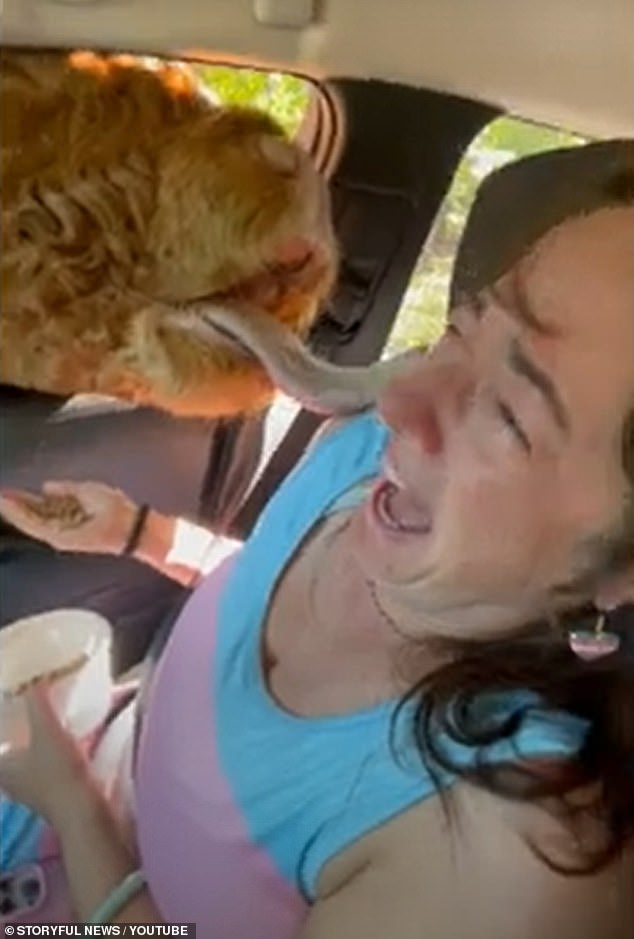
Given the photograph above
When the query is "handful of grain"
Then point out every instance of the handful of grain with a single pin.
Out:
(66, 510)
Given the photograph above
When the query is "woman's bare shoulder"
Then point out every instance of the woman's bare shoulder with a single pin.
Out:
(478, 872)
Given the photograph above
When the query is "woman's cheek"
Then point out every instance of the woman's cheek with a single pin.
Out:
(487, 519)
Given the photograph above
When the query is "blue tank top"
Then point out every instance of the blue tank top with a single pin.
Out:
(356, 770)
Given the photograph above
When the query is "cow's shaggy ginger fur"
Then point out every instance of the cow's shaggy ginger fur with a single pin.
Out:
(128, 193)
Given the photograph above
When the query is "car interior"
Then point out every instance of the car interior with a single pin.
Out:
(397, 93)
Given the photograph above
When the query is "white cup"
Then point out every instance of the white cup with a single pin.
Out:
(71, 648)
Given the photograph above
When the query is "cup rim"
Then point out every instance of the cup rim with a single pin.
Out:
(101, 635)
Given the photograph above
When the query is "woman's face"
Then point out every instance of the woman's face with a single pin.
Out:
(505, 452)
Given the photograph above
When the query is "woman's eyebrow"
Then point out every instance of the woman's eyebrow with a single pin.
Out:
(519, 306)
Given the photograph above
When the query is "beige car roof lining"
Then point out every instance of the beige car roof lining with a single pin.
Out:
(565, 62)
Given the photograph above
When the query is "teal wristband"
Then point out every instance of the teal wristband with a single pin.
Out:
(118, 898)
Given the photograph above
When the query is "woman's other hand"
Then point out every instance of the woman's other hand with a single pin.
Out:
(51, 771)
(86, 517)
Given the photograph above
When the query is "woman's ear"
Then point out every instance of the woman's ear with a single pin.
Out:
(616, 590)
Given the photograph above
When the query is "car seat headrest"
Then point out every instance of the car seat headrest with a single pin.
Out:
(520, 202)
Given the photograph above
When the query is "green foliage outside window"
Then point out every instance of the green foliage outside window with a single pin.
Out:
(284, 97)
(422, 315)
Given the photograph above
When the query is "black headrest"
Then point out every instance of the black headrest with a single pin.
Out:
(521, 201)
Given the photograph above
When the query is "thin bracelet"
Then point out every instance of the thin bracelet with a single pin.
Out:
(136, 531)
(118, 898)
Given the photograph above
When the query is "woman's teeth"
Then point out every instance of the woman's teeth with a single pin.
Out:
(398, 511)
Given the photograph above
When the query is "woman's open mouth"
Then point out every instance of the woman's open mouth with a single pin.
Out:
(397, 511)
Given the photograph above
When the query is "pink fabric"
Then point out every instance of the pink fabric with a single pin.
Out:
(200, 863)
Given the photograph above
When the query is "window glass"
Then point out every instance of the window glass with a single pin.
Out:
(422, 315)
(285, 97)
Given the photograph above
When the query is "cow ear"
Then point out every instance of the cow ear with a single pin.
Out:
(280, 154)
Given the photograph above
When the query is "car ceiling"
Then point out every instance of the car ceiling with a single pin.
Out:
(565, 62)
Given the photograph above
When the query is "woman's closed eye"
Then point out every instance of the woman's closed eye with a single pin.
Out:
(503, 411)
(461, 333)
(508, 418)
(465, 320)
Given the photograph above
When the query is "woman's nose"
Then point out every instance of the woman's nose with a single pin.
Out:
(427, 403)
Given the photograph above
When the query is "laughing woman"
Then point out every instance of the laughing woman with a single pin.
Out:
(380, 716)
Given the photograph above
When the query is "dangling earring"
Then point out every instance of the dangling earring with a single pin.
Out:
(593, 644)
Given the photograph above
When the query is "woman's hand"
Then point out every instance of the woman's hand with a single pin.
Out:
(51, 773)
(86, 517)
(52, 777)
